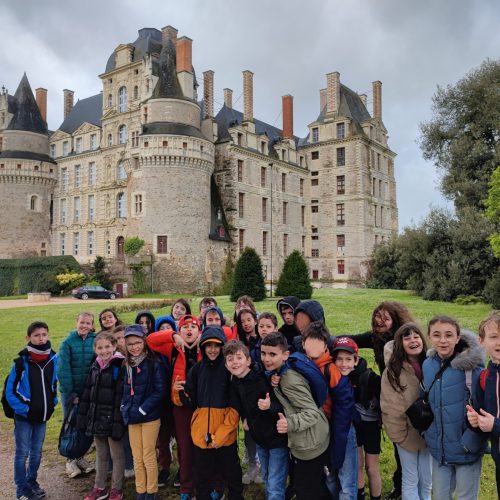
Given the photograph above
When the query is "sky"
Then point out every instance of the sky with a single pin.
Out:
(290, 45)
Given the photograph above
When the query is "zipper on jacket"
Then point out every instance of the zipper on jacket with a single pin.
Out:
(42, 376)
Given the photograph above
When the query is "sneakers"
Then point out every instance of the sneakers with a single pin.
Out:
(252, 475)
(37, 490)
(84, 466)
(97, 494)
(163, 478)
(72, 469)
(129, 473)
(115, 494)
(177, 479)
(28, 495)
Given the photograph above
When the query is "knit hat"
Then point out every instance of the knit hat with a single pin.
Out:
(212, 334)
(165, 319)
(137, 330)
(312, 308)
(189, 319)
(345, 344)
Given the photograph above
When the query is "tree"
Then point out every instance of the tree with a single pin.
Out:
(294, 278)
(226, 284)
(248, 277)
(100, 275)
(462, 138)
(133, 245)
(492, 204)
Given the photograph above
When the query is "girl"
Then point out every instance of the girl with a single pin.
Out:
(180, 308)
(454, 364)
(108, 320)
(400, 388)
(99, 416)
(147, 320)
(246, 326)
(143, 392)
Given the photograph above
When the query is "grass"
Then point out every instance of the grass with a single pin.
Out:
(347, 311)
(13, 297)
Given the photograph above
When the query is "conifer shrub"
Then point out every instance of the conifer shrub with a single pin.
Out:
(294, 278)
(248, 278)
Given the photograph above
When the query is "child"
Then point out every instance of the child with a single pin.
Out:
(205, 303)
(400, 388)
(286, 308)
(305, 313)
(179, 309)
(143, 391)
(147, 320)
(183, 353)
(456, 449)
(486, 417)
(215, 420)
(165, 324)
(259, 408)
(367, 417)
(99, 416)
(119, 336)
(342, 480)
(31, 391)
(243, 302)
(266, 324)
(306, 424)
(214, 317)
(108, 320)
(76, 354)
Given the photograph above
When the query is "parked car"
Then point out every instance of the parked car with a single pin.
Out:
(94, 292)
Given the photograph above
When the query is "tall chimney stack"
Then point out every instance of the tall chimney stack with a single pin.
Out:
(208, 93)
(287, 101)
(168, 33)
(228, 98)
(332, 92)
(41, 100)
(184, 54)
(377, 99)
(68, 101)
(247, 96)
(322, 100)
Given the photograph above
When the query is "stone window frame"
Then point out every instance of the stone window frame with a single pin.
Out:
(341, 156)
(162, 244)
(77, 210)
(76, 243)
(121, 172)
(62, 243)
(34, 202)
(91, 208)
(122, 134)
(141, 203)
(340, 130)
(122, 99)
(121, 205)
(90, 242)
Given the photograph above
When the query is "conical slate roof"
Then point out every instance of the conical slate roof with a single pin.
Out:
(27, 116)
(168, 84)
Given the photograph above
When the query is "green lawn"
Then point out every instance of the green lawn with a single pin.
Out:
(347, 311)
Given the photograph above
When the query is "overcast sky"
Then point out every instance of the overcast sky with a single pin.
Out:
(411, 46)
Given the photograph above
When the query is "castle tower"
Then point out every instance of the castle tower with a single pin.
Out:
(27, 179)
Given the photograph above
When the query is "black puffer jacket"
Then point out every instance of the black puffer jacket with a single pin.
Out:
(99, 411)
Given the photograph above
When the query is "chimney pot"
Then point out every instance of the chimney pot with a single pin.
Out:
(208, 93)
(247, 95)
(184, 54)
(228, 98)
(68, 101)
(332, 92)
(41, 100)
(377, 99)
(287, 101)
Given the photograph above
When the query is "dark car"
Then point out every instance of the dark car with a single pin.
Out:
(94, 292)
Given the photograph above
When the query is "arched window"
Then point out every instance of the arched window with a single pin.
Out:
(136, 92)
(121, 205)
(121, 173)
(122, 99)
(33, 201)
(122, 134)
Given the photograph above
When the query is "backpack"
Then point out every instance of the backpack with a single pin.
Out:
(7, 409)
(367, 405)
(73, 443)
(303, 365)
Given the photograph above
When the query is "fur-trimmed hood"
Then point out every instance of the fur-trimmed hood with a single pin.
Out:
(469, 355)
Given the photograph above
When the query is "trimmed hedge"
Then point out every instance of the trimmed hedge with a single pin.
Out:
(34, 274)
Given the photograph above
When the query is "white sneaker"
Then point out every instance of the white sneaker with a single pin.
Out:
(129, 473)
(72, 469)
(84, 466)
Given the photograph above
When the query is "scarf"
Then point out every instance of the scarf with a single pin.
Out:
(39, 353)
(103, 364)
(134, 361)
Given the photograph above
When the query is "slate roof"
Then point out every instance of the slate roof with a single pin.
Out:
(27, 116)
(85, 110)
(171, 128)
(26, 155)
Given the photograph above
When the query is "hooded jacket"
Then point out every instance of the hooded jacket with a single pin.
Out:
(229, 333)
(33, 395)
(99, 409)
(74, 359)
(366, 385)
(215, 418)
(395, 403)
(151, 318)
(165, 319)
(289, 331)
(312, 308)
(449, 439)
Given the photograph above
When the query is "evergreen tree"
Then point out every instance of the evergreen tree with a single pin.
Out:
(248, 278)
(294, 278)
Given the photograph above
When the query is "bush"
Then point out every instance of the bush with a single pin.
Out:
(100, 275)
(69, 280)
(466, 300)
(294, 278)
(492, 290)
(133, 245)
(248, 277)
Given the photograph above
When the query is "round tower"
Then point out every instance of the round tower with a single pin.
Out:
(27, 179)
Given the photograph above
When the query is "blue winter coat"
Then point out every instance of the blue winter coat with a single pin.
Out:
(144, 389)
(75, 357)
(449, 439)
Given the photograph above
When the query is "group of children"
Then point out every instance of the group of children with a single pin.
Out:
(310, 407)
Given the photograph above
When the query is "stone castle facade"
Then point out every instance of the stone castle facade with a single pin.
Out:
(149, 157)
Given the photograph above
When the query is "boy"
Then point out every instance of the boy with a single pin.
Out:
(306, 424)
(342, 480)
(259, 408)
(305, 313)
(76, 354)
(31, 392)
(181, 350)
(367, 415)
(214, 317)
(205, 303)
(487, 394)
(215, 420)
(266, 324)
(286, 308)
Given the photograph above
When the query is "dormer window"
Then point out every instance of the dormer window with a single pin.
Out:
(341, 130)
(315, 134)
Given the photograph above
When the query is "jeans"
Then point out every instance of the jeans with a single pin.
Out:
(29, 437)
(417, 470)
(344, 485)
(274, 471)
(463, 480)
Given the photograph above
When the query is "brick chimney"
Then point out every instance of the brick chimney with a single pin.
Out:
(322, 100)
(247, 96)
(287, 101)
(208, 93)
(363, 98)
(168, 33)
(332, 92)
(41, 100)
(228, 98)
(184, 54)
(68, 101)
(377, 99)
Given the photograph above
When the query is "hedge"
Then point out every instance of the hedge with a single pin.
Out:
(34, 274)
